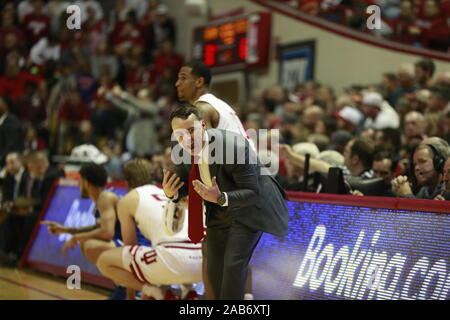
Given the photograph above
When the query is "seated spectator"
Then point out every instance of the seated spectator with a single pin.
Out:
(434, 30)
(31, 108)
(164, 26)
(167, 59)
(11, 36)
(104, 59)
(11, 132)
(446, 179)
(339, 140)
(424, 71)
(414, 127)
(384, 166)
(45, 50)
(36, 24)
(405, 29)
(406, 79)
(379, 114)
(428, 163)
(390, 89)
(32, 141)
(349, 119)
(332, 157)
(437, 107)
(72, 112)
(86, 6)
(12, 83)
(388, 139)
(14, 186)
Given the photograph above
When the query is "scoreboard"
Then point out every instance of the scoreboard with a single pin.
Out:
(241, 42)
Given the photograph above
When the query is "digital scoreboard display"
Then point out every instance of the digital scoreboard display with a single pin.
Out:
(240, 41)
(335, 252)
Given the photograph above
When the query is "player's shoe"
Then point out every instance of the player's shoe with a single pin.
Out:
(119, 293)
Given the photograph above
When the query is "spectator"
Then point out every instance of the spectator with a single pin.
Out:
(379, 114)
(167, 59)
(11, 132)
(86, 135)
(437, 107)
(32, 141)
(36, 24)
(414, 127)
(14, 186)
(333, 158)
(446, 179)
(428, 162)
(424, 71)
(349, 119)
(339, 140)
(406, 79)
(72, 112)
(86, 6)
(434, 30)
(405, 29)
(45, 50)
(164, 26)
(384, 166)
(11, 36)
(388, 139)
(30, 108)
(12, 83)
(390, 89)
(56, 8)
(141, 139)
(104, 61)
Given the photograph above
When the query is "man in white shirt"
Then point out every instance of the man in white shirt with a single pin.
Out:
(379, 114)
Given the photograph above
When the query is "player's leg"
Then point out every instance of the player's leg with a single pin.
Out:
(110, 264)
(92, 248)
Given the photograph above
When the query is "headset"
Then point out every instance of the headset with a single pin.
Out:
(438, 159)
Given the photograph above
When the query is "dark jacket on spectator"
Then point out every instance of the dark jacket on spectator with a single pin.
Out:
(11, 137)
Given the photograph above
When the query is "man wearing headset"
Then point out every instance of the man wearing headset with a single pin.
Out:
(428, 164)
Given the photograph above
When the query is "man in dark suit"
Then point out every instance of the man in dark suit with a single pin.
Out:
(38, 183)
(241, 199)
(11, 132)
(14, 186)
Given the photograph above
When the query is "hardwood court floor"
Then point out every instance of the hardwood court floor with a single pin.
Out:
(27, 284)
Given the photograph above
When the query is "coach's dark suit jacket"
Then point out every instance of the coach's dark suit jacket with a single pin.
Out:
(255, 200)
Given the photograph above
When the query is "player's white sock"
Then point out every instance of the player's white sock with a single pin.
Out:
(152, 291)
(185, 288)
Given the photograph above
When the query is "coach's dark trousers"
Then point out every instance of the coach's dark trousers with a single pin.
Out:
(230, 245)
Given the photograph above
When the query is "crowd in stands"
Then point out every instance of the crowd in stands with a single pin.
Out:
(111, 86)
(420, 23)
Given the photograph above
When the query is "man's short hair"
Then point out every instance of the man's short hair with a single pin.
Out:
(94, 174)
(381, 155)
(138, 172)
(183, 111)
(200, 70)
(426, 65)
(364, 149)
